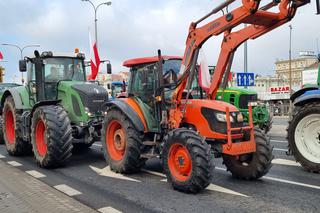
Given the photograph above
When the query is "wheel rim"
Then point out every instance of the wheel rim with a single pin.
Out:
(9, 123)
(307, 137)
(115, 140)
(180, 162)
(40, 138)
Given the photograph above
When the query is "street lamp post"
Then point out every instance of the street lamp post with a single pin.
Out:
(95, 8)
(21, 53)
(290, 59)
(290, 73)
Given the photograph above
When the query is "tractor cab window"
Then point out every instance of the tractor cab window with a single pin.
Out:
(57, 69)
(143, 78)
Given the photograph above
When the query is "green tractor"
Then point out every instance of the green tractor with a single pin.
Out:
(57, 110)
(242, 98)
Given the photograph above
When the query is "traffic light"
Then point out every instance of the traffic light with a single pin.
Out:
(1, 74)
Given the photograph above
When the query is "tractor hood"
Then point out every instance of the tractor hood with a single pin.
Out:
(92, 96)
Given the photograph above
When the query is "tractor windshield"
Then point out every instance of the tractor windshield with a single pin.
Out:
(56, 69)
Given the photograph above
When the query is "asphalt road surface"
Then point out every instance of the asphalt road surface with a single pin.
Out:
(286, 188)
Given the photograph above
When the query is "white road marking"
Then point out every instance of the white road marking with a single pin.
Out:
(216, 188)
(109, 209)
(220, 168)
(282, 150)
(283, 180)
(292, 182)
(154, 173)
(67, 190)
(2, 156)
(279, 141)
(14, 163)
(35, 174)
(285, 162)
(108, 173)
(97, 144)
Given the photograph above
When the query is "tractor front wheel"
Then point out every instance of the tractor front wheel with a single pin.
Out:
(187, 160)
(51, 136)
(12, 129)
(253, 165)
(121, 143)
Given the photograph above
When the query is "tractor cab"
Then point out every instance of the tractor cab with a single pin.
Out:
(144, 84)
(43, 84)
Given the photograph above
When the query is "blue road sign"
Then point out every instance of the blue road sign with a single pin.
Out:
(245, 79)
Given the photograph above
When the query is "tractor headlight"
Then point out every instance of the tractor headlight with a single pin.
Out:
(240, 117)
(86, 110)
(253, 104)
(222, 117)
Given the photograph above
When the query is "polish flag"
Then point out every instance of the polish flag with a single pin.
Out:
(204, 74)
(1, 56)
(94, 59)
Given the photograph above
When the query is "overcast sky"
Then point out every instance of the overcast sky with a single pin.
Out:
(137, 28)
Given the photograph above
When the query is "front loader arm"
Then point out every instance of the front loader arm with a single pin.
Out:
(260, 21)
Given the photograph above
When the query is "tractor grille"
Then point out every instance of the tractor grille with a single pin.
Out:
(215, 125)
(92, 96)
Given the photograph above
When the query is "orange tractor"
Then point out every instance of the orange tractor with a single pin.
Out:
(159, 118)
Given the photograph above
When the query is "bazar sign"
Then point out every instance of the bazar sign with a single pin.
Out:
(280, 89)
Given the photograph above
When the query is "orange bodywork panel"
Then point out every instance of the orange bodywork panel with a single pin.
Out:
(194, 116)
(133, 104)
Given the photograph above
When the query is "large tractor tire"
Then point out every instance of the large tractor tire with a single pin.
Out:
(1, 133)
(121, 143)
(187, 160)
(304, 136)
(51, 136)
(254, 165)
(12, 130)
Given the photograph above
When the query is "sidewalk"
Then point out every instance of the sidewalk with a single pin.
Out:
(22, 193)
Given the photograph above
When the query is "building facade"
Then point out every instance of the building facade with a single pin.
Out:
(305, 59)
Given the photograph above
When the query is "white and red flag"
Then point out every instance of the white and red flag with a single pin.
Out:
(204, 74)
(94, 59)
(1, 56)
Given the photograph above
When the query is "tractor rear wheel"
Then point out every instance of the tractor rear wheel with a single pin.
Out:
(12, 129)
(121, 143)
(304, 136)
(187, 160)
(253, 165)
(1, 133)
(51, 136)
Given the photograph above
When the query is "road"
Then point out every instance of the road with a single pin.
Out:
(286, 188)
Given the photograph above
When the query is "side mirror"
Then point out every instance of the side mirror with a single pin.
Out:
(22, 65)
(109, 68)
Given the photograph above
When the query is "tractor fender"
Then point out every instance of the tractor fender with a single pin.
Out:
(128, 111)
(43, 103)
(307, 97)
(16, 98)
(301, 92)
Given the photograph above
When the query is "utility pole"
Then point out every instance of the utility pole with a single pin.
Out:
(290, 73)
(245, 56)
(290, 59)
